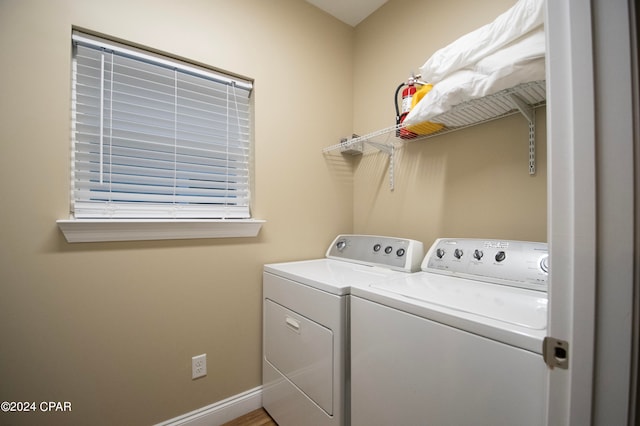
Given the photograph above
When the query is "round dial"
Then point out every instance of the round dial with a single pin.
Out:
(440, 253)
(544, 264)
(458, 253)
(340, 245)
(478, 254)
(377, 248)
(400, 252)
(500, 256)
(388, 249)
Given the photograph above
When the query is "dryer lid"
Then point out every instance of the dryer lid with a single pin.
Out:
(330, 275)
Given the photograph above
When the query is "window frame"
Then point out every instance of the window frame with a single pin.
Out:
(89, 229)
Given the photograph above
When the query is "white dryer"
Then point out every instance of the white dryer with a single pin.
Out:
(306, 325)
(459, 343)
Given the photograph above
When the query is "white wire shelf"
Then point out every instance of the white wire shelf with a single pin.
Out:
(523, 98)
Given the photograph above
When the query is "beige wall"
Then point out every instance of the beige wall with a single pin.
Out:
(112, 327)
(470, 183)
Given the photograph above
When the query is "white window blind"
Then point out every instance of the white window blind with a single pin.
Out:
(156, 138)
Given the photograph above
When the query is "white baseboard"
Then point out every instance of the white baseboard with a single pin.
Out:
(220, 412)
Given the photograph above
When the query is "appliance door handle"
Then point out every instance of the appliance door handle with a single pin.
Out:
(292, 323)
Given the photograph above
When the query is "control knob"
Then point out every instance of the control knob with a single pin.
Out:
(388, 249)
(440, 253)
(500, 256)
(544, 264)
(377, 248)
(400, 252)
(340, 245)
(457, 253)
(477, 254)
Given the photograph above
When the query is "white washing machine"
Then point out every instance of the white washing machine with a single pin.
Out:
(458, 344)
(306, 325)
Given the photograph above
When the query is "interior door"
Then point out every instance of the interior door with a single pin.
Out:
(590, 110)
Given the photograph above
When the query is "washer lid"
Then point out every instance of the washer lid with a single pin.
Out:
(509, 305)
(334, 276)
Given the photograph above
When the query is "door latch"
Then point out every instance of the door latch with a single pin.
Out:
(555, 352)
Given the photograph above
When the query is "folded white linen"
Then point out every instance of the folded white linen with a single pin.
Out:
(520, 19)
(521, 61)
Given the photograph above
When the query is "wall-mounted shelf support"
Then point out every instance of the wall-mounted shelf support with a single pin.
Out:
(355, 146)
(530, 114)
(390, 150)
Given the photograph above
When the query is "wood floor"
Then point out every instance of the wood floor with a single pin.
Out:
(257, 417)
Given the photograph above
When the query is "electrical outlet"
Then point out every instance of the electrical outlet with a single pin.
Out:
(198, 366)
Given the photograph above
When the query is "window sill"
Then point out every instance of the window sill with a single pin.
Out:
(99, 230)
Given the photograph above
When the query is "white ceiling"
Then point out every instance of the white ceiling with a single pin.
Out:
(351, 12)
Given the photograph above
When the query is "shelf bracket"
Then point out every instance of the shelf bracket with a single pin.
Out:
(390, 150)
(530, 114)
(355, 146)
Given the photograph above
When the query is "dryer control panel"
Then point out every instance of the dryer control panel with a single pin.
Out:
(516, 263)
(400, 254)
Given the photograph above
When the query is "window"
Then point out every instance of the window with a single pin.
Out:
(156, 138)
(161, 147)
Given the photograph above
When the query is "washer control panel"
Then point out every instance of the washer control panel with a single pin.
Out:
(400, 254)
(516, 263)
